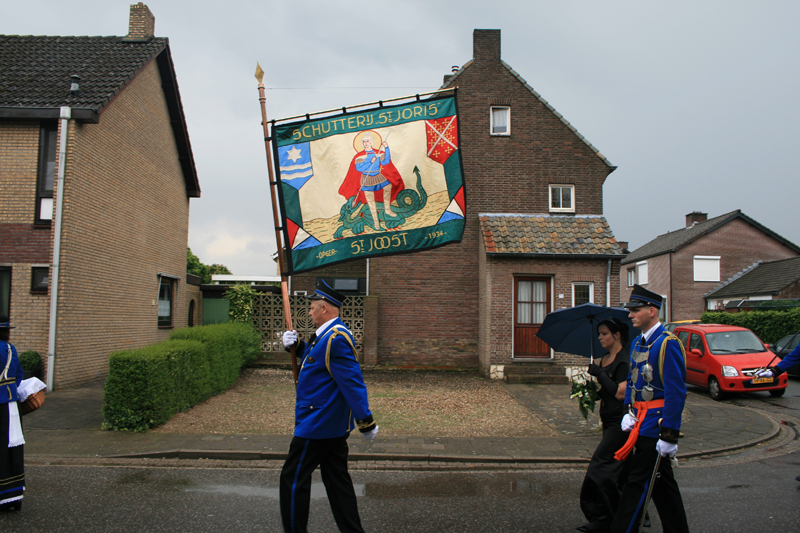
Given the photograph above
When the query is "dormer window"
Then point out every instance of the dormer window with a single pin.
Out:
(562, 198)
(500, 119)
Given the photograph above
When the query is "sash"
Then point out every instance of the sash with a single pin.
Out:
(641, 413)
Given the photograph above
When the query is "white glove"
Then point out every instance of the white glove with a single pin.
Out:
(369, 435)
(628, 422)
(666, 448)
(766, 373)
(289, 338)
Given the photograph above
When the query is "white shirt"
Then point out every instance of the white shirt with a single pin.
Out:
(650, 332)
(325, 325)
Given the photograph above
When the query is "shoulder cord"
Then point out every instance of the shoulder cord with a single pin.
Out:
(337, 332)
(4, 376)
(662, 353)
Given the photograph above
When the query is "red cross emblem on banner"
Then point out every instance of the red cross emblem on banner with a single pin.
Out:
(442, 136)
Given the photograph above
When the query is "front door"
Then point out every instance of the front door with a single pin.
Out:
(531, 304)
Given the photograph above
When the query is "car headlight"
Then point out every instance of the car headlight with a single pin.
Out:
(729, 372)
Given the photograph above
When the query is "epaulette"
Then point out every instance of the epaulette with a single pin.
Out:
(338, 331)
(663, 351)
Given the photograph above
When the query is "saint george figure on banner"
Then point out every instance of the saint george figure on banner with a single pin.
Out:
(372, 177)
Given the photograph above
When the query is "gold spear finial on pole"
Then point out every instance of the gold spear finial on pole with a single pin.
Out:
(259, 73)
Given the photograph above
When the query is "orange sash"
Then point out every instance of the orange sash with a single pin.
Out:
(641, 412)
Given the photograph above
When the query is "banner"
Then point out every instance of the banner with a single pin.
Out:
(363, 184)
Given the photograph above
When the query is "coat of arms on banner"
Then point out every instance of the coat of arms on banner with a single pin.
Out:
(377, 182)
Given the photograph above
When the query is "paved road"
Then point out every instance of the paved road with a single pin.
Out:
(754, 496)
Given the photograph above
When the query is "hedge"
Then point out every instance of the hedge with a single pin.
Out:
(147, 386)
(770, 326)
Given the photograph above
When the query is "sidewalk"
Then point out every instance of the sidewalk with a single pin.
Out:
(69, 426)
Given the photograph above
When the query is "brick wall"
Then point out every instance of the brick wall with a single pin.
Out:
(125, 220)
(430, 302)
(497, 299)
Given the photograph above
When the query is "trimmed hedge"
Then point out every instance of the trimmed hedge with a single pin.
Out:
(147, 386)
(770, 326)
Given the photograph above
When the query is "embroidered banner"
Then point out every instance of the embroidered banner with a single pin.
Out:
(364, 184)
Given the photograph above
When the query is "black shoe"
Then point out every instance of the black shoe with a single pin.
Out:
(798, 478)
(592, 527)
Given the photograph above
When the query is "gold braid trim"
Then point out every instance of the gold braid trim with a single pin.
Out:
(662, 354)
(337, 332)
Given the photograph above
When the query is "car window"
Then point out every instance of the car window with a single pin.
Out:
(788, 343)
(683, 336)
(733, 342)
(697, 342)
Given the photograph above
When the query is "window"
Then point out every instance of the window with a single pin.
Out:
(663, 312)
(706, 268)
(5, 291)
(40, 279)
(582, 293)
(347, 286)
(683, 336)
(561, 198)
(641, 271)
(532, 299)
(631, 277)
(500, 118)
(48, 139)
(696, 342)
(166, 296)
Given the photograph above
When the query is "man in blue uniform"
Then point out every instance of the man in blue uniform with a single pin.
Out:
(788, 362)
(656, 395)
(331, 402)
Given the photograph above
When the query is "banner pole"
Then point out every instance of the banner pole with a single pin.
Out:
(287, 311)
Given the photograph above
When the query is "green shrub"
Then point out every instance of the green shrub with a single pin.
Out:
(770, 326)
(31, 361)
(242, 300)
(146, 387)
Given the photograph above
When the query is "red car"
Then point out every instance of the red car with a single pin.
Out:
(725, 358)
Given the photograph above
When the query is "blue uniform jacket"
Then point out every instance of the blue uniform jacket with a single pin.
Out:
(331, 394)
(669, 383)
(9, 382)
(790, 360)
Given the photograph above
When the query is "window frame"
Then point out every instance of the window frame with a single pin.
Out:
(639, 276)
(42, 287)
(48, 143)
(506, 133)
(5, 306)
(561, 186)
(708, 259)
(632, 276)
(589, 284)
(172, 283)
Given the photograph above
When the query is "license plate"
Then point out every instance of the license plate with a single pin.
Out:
(758, 381)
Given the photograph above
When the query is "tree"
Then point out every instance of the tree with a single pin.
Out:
(194, 266)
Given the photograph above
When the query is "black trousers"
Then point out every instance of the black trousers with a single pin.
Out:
(305, 455)
(601, 486)
(666, 494)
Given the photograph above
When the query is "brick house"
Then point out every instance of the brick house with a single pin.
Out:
(685, 265)
(765, 282)
(96, 176)
(535, 238)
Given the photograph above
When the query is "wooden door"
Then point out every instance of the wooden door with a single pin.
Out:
(532, 302)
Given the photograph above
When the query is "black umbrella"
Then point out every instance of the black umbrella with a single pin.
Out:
(574, 329)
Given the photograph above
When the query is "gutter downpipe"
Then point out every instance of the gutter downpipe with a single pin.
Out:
(66, 114)
(608, 284)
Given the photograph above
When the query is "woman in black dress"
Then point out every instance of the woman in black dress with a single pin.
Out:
(600, 491)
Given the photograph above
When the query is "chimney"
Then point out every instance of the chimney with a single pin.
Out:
(623, 245)
(447, 77)
(695, 217)
(486, 45)
(142, 24)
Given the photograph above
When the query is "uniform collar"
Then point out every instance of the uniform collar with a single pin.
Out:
(325, 326)
(650, 332)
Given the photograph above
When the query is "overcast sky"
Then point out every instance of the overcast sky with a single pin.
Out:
(695, 101)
